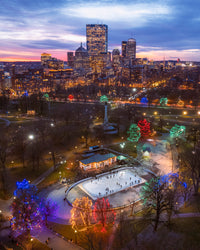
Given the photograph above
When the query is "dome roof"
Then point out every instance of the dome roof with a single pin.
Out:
(131, 40)
(81, 49)
(116, 52)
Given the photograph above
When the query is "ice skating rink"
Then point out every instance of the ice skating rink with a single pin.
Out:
(111, 183)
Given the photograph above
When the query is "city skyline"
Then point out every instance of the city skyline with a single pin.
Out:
(162, 29)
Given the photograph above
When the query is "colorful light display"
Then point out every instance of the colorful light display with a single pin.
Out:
(70, 97)
(134, 133)
(177, 131)
(163, 101)
(144, 127)
(103, 214)
(46, 97)
(29, 212)
(81, 212)
(25, 209)
(144, 100)
(104, 98)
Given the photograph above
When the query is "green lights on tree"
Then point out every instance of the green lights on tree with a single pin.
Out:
(104, 98)
(163, 101)
(134, 133)
(177, 131)
(46, 97)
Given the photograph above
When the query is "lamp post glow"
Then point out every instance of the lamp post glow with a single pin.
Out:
(75, 231)
(31, 137)
(185, 112)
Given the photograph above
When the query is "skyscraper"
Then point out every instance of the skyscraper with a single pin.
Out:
(124, 43)
(70, 59)
(131, 49)
(97, 39)
(44, 58)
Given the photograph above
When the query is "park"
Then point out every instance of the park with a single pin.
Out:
(152, 145)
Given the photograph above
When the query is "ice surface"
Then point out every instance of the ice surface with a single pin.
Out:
(111, 183)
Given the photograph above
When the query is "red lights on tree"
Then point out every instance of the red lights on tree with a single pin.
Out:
(103, 213)
(70, 97)
(144, 127)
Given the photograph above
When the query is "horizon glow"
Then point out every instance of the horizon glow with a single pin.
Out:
(163, 31)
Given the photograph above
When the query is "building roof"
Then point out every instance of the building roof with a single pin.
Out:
(131, 40)
(81, 49)
(97, 158)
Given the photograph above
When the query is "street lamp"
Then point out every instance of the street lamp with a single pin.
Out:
(184, 112)
(75, 231)
(31, 137)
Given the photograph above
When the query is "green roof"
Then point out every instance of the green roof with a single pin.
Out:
(121, 157)
(97, 158)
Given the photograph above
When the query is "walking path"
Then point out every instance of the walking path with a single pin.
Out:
(56, 241)
(5, 120)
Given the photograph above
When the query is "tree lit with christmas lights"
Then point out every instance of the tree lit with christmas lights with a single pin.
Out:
(177, 131)
(104, 98)
(81, 212)
(134, 133)
(26, 212)
(163, 101)
(103, 213)
(144, 126)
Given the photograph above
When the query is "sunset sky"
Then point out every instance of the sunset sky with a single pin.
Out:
(167, 29)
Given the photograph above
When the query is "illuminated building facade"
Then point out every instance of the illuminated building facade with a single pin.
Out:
(44, 58)
(97, 38)
(70, 59)
(81, 58)
(115, 58)
(131, 50)
(124, 43)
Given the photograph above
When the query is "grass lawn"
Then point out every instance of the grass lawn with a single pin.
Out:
(34, 245)
(192, 206)
(20, 173)
(54, 176)
(37, 245)
(65, 230)
(126, 231)
(129, 148)
(189, 228)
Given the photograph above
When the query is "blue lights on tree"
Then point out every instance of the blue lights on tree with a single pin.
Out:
(29, 212)
(144, 100)
(25, 93)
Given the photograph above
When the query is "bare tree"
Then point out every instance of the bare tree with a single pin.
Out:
(190, 160)
(4, 144)
(20, 144)
(159, 195)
